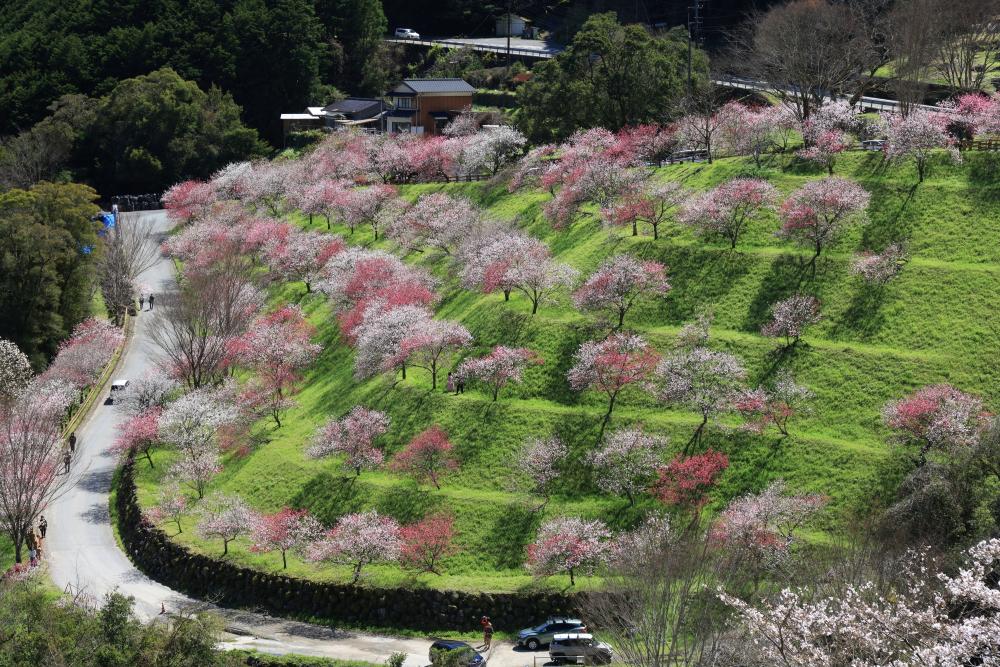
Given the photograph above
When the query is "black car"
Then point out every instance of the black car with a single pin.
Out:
(475, 658)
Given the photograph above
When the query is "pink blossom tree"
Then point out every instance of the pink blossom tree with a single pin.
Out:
(790, 317)
(373, 205)
(627, 462)
(196, 469)
(816, 214)
(427, 542)
(438, 220)
(191, 423)
(619, 283)
(619, 361)
(427, 456)
(653, 204)
(938, 417)
(225, 517)
(825, 148)
(774, 405)
(138, 434)
(381, 335)
(747, 130)
(406, 292)
(687, 480)
(276, 346)
(500, 367)
(726, 210)
(529, 169)
(150, 390)
(492, 149)
(432, 346)
(568, 544)
(170, 507)
(599, 182)
(301, 255)
(538, 462)
(188, 200)
(879, 268)
(31, 447)
(916, 136)
(284, 531)
(354, 437)
(699, 379)
(82, 357)
(359, 539)
(882, 623)
(758, 529)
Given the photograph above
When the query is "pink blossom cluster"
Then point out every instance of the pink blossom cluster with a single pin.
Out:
(437, 220)
(354, 437)
(138, 434)
(170, 506)
(727, 209)
(612, 364)
(429, 455)
(619, 283)
(651, 204)
(790, 317)
(937, 416)
(879, 268)
(15, 369)
(626, 463)
(775, 405)
(299, 256)
(284, 531)
(225, 517)
(978, 112)
(188, 200)
(427, 542)
(815, 214)
(699, 379)
(539, 460)
(82, 357)
(568, 544)
(359, 539)
(687, 480)
(916, 136)
(498, 368)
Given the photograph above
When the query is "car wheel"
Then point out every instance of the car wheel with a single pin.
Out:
(533, 644)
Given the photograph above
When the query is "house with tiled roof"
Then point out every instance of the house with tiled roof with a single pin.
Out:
(425, 106)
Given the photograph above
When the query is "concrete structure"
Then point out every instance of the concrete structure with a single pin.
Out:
(516, 25)
(365, 113)
(425, 106)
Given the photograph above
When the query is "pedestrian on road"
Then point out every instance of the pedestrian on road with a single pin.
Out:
(151, 302)
(66, 460)
(43, 526)
(487, 632)
(32, 557)
(72, 442)
(142, 301)
(450, 384)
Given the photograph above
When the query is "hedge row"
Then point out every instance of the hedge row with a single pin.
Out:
(231, 585)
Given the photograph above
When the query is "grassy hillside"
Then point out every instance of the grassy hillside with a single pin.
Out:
(935, 323)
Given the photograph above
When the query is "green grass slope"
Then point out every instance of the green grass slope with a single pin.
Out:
(935, 323)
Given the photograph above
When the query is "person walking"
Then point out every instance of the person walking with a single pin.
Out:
(142, 301)
(151, 302)
(66, 460)
(450, 384)
(72, 442)
(460, 386)
(43, 526)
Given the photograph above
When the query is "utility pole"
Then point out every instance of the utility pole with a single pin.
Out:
(508, 34)
(694, 34)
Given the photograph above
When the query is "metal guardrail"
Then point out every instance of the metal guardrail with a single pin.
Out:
(489, 48)
(867, 103)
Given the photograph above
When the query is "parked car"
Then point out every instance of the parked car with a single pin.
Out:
(540, 635)
(117, 386)
(475, 657)
(579, 647)
(406, 33)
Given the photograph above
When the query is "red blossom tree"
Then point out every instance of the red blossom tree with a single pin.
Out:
(611, 365)
(284, 531)
(139, 433)
(427, 542)
(937, 417)
(568, 544)
(427, 456)
(726, 210)
(301, 255)
(188, 200)
(652, 205)
(687, 480)
(618, 283)
(499, 367)
(775, 405)
(825, 148)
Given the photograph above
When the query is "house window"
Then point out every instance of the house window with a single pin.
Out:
(401, 127)
(404, 102)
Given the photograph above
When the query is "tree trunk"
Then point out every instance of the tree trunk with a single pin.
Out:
(607, 417)
(284, 560)
(534, 305)
(572, 580)
(225, 546)
(635, 228)
(434, 376)
(149, 458)
(621, 318)
(357, 573)
(697, 434)
(310, 218)
(506, 295)
(404, 371)
(655, 232)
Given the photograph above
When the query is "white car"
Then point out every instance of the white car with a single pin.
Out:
(117, 386)
(406, 33)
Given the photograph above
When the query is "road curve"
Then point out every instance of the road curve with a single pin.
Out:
(83, 556)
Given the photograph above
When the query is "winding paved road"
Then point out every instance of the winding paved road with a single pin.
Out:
(84, 558)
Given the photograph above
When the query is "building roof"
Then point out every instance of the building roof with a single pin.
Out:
(438, 86)
(354, 105)
(297, 116)
(503, 17)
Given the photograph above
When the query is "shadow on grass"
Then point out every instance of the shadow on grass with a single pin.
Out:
(407, 502)
(508, 537)
(328, 496)
(788, 275)
(863, 317)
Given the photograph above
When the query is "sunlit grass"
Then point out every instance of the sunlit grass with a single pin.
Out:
(936, 323)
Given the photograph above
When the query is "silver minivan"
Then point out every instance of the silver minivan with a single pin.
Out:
(579, 647)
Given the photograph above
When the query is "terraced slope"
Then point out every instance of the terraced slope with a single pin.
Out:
(935, 323)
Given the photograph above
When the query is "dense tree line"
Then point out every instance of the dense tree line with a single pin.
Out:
(271, 55)
(610, 76)
(46, 264)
